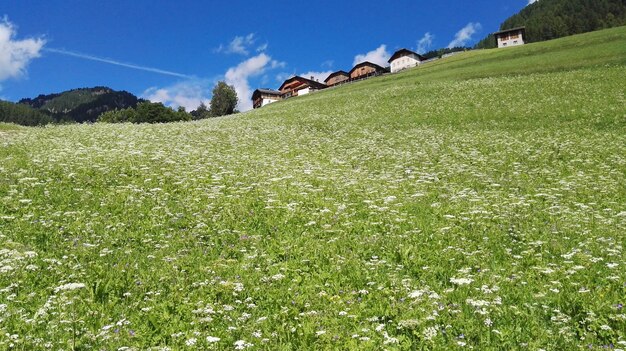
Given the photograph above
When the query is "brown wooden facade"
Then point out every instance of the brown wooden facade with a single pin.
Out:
(336, 78)
(298, 85)
(293, 85)
(366, 69)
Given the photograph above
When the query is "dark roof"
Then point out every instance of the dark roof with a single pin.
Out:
(510, 30)
(264, 91)
(367, 63)
(404, 52)
(334, 74)
(309, 82)
(268, 91)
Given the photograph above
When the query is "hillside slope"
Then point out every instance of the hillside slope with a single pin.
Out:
(438, 89)
(477, 201)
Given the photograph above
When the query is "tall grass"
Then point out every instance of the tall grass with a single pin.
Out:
(475, 203)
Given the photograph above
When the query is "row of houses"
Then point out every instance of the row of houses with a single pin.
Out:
(297, 85)
(400, 60)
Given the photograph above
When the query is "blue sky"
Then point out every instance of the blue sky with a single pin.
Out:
(175, 51)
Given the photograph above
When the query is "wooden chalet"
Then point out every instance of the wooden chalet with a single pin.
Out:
(403, 59)
(510, 37)
(366, 69)
(336, 78)
(297, 85)
(262, 97)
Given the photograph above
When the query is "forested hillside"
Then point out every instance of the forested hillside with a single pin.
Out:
(107, 105)
(81, 105)
(551, 19)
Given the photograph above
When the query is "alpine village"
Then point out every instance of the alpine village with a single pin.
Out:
(399, 61)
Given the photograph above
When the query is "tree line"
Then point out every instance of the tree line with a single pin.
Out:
(443, 51)
(22, 114)
(223, 102)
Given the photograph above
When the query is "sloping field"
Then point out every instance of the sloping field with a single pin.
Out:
(475, 202)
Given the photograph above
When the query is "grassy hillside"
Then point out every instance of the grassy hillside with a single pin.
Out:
(477, 201)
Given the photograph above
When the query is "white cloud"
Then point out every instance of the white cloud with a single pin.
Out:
(465, 35)
(531, 1)
(283, 76)
(278, 64)
(378, 56)
(328, 64)
(15, 55)
(239, 77)
(318, 76)
(262, 47)
(240, 45)
(425, 43)
(188, 94)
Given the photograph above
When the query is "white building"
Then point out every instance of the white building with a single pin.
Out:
(510, 37)
(403, 59)
(262, 97)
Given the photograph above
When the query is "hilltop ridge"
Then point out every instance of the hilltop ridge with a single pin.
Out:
(82, 104)
(551, 19)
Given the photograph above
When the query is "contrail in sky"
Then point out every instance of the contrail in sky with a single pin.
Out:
(117, 63)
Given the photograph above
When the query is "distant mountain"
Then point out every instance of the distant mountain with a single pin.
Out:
(81, 105)
(551, 19)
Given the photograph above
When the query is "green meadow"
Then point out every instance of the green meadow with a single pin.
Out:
(475, 202)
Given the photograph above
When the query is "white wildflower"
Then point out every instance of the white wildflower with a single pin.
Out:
(5, 269)
(212, 339)
(416, 294)
(70, 286)
(430, 333)
(278, 276)
(389, 339)
(389, 199)
(461, 281)
(242, 344)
